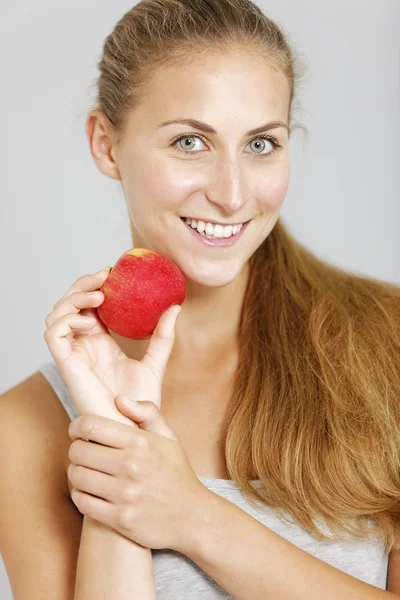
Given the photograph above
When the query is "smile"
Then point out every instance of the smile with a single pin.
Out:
(214, 235)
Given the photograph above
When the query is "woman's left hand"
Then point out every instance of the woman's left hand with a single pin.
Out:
(145, 486)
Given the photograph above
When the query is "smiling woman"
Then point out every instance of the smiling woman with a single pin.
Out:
(280, 395)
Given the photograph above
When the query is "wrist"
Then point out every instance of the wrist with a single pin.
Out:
(105, 532)
(201, 524)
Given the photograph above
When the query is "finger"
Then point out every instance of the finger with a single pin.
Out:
(56, 336)
(161, 342)
(96, 508)
(96, 457)
(73, 304)
(93, 482)
(88, 283)
(101, 430)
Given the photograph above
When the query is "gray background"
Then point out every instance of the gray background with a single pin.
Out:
(61, 218)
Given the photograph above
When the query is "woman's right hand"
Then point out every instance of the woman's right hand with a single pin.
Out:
(92, 365)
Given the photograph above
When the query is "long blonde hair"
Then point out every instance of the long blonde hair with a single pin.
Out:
(315, 410)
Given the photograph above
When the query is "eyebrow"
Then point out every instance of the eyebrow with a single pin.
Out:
(208, 129)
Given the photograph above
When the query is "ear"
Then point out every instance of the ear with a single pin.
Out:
(102, 143)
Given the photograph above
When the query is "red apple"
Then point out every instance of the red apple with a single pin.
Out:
(142, 285)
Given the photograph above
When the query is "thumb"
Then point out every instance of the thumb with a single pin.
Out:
(146, 414)
(161, 342)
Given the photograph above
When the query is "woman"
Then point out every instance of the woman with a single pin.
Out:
(269, 406)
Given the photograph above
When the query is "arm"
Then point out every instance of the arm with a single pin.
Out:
(251, 561)
(46, 545)
(39, 526)
(112, 567)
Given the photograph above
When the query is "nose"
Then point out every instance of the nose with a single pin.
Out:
(226, 190)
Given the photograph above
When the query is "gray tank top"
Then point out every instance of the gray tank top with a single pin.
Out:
(179, 578)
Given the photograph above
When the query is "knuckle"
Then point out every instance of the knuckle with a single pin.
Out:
(128, 493)
(151, 408)
(71, 427)
(80, 283)
(78, 298)
(77, 475)
(141, 443)
(49, 321)
(73, 452)
(131, 467)
(81, 503)
(86, 426)
(154, 407)
(125, 517)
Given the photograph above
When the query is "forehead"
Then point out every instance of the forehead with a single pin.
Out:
(239, 85)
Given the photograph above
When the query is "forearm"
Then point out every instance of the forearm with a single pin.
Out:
(251, 561)
(112, 567)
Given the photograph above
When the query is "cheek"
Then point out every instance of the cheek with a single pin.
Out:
(166, 184)
(272, 188)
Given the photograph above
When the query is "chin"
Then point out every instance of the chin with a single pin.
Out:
(218, 276)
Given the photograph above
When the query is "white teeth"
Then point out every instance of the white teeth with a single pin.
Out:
(213, 231)
(201, 226)
(218, 231)
(228, 230)
(209, 229)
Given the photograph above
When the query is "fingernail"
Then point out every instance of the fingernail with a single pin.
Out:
(176, 310)
(106, 270)
(127, 401)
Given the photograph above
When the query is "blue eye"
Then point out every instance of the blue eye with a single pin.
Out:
(270, 139)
